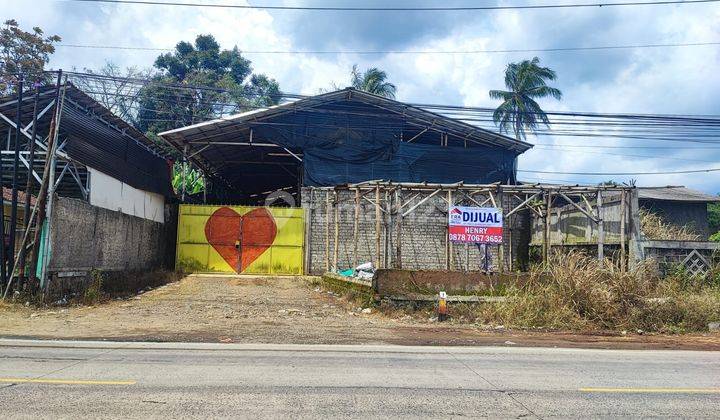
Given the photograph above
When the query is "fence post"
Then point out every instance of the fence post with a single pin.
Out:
(601, 228)
(398, 206)
(337, 232)
(636, 249)
(328, 209)
(448, 244)
(623, 214)
(547, 250)
(356, 218)
(378, 231)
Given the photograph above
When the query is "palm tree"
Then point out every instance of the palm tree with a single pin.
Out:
(526, 81)
(373, 80)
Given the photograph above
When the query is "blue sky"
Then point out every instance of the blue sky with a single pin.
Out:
(666, 80)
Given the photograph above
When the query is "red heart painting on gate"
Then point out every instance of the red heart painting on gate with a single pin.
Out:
(240, 239)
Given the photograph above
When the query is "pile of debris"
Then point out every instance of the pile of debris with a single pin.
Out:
(364, 271)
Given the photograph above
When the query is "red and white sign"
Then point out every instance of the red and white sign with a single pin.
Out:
(479, 225)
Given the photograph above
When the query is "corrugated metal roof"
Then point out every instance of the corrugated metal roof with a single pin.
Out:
(676, 194)
(350, 94)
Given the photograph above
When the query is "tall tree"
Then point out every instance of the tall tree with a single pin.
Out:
(116, 88)
(526, 81)
(372, 80)
(23, 52)
(199, 81)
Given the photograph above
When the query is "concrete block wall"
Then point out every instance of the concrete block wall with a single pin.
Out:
(423, 233)
(85, 237)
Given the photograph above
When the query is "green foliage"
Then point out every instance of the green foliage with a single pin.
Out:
(526, 82)
(194, 182)
(714, 221)
(23, 52)
(94, 293)
(372, 80)
(216, 82)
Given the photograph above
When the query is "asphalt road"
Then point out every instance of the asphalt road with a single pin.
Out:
(95, 379)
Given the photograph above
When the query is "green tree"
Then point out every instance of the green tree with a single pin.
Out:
(526, 82)
(23, 52)
(372, 80)
(199, 81)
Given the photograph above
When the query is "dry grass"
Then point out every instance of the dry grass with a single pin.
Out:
(655, 227)
(578, 292)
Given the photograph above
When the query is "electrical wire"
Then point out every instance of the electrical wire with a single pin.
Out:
(450, 52)
(400, 9)
(692, 171)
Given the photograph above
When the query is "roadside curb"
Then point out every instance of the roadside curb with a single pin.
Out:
(315, 348)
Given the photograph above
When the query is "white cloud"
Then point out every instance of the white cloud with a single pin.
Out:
(663, 80)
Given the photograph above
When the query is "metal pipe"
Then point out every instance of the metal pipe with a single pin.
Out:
(28, 185)
(42, 193)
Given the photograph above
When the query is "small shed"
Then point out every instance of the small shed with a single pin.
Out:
(679, 206)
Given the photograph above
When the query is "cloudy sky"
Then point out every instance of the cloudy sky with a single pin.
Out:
(663, 80)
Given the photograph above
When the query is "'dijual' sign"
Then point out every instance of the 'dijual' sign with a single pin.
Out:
(480, 225)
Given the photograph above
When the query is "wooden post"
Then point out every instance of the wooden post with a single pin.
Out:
(623, 214)
(510, 248)
(328, 209)
(448, 243)
(398, 207)
(388, 229)
(355, 227)
(501, 247)
(184, 172)
(308, 233)
(601, 228)
(467, 257)
(637, 252)
(378, 231)
(337, 232)
(558, 228)
(547, 251)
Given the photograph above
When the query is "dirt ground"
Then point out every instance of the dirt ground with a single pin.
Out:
(284, 310)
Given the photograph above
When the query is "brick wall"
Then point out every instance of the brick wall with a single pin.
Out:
(423, 232)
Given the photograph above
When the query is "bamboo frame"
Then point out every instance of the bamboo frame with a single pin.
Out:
(403, 199)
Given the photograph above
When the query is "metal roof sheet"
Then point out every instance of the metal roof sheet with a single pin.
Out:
(676, 194)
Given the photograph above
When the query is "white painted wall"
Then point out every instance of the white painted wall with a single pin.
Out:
(112, 194)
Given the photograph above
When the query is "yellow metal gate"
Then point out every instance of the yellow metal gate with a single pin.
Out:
(240, 239)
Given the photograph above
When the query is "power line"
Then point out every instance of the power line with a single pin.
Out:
(674, 118)
(562, 145)
(400, 9)
(365, 52)
(620, 173)
(625, 155)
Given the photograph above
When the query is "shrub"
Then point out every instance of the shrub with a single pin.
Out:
(580, 292)
(94, 292)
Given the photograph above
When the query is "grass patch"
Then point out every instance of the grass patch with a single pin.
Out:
(655, 227)
(358, 294)
(581, 293)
